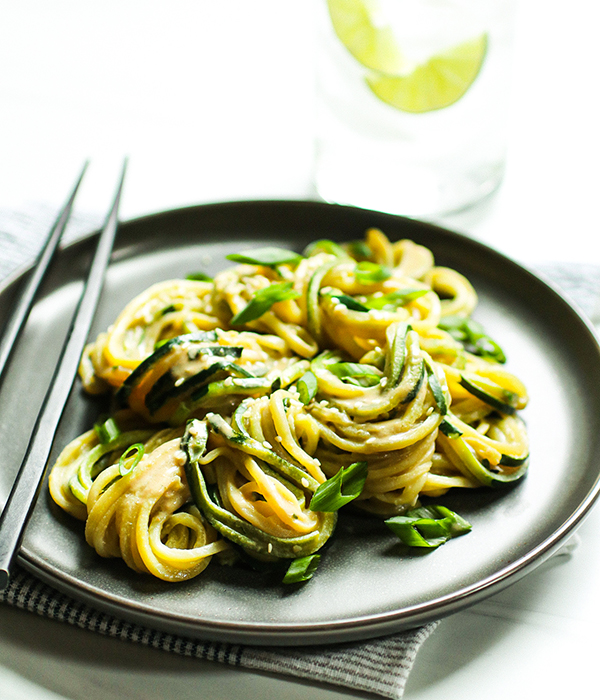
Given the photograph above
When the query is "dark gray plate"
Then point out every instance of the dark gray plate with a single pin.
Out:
(367, 583)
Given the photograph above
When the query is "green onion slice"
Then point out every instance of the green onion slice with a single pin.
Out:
(369, 272)
(199, 277)
(350, 302)
(269, 256)
(307, 387)
(355, 373)
(107, 431)
(393, 300)
(359, 250)
(133, 455)
(325, 246)
(473, 336)
(428, 526)
(302, 569)
(263, 300)
(342, 488)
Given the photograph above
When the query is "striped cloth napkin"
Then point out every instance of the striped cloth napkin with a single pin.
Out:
(380, 666)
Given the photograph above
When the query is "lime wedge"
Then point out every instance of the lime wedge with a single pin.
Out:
(435, 84)
(373, 46)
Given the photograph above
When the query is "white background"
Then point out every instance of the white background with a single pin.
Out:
(214, 101)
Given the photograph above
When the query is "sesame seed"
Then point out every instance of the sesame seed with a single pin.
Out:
(267, 445)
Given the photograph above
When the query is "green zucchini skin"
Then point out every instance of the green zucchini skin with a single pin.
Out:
(436, 389)
(449, 430)
(486, 397)
(122, 394)
(313, 312)
(81, 482)
(253, 540)
(467, 462)
(286, 469)
(166, 388)
(404, 373)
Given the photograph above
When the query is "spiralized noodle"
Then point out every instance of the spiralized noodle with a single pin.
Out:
(215, 447)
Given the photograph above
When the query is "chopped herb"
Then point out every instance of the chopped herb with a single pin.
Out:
(307, 387)
(349, 302)
(355, 373)
(393, 300)
(342, 488)
(107, 431)
(133, 455)
(359, 250)
(263, 300)
(325, 246)
(302, 569)
(369, 272)
(269, 256)
(473, 336)
(428, 526)
(199, 277)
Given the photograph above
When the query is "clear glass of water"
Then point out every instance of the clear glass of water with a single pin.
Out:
(413, 100)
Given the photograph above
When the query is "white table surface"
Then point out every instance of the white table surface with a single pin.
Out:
(214, 101)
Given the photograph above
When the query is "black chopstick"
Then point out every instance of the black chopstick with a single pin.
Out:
(21, 311)
(29, 479)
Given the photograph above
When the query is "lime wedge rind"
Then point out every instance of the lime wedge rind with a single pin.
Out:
(373, 47)
(438, 83)
(433, 85)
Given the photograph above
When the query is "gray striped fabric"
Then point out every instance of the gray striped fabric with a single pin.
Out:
(378, 666)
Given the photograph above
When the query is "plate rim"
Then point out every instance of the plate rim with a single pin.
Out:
(359, 627)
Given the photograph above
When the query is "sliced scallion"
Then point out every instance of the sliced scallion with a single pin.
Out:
(473, 336)
(107, 431)
(269, 256)
(263, 300)
(340, 489)
(350, 302)
(307, 387)
(428, 526)
(325, 246)
(355, 373)
(359, 250)
(302, 569)
(130, 458)
(393, 300)
(199, 277)
(369, 272)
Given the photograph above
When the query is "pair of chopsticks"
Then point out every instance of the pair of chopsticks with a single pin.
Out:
(28, 482)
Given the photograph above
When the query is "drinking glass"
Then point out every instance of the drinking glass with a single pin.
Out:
(412, 104)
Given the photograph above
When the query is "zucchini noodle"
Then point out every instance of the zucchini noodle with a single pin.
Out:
(216, 446)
